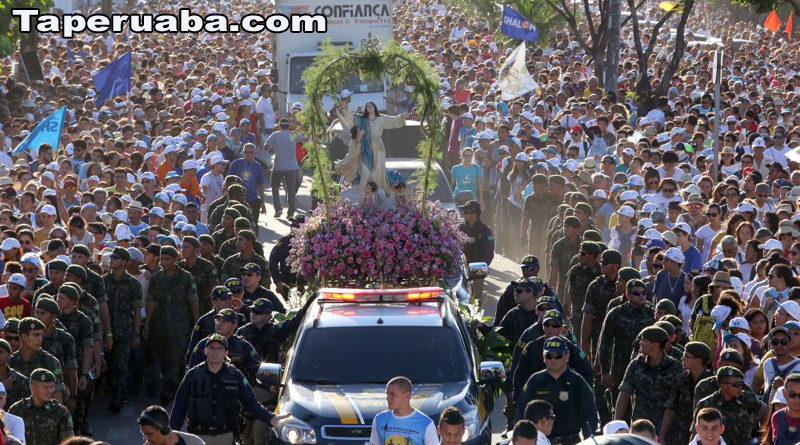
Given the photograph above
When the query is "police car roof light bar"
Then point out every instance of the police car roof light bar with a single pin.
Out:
(380, 295)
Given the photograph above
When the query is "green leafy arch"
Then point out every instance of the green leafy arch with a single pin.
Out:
(329, 72)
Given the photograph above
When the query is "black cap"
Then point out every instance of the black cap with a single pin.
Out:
(77, 270)
(28, 324)
(590, 247)
(153, 249)
(471, 206)
(611, 256)
(573, 222)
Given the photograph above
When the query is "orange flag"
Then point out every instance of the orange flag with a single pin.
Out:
(773, 23)
(788, 29)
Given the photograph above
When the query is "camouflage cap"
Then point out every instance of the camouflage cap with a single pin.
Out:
(78, 271)
(70, 292)
(731, 356)
(629, 273)
(699, 350)
(655, 334)
(666, 305)
(81, 249)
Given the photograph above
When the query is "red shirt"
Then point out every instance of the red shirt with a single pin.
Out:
(18, 310)
(792, 422)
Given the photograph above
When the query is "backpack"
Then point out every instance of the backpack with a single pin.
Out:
(785, 436)
(703, 330)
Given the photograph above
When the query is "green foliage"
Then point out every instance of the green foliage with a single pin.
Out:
(760, 6)
(328, 74)
(492, 346)
(9, 27)
(538, 13)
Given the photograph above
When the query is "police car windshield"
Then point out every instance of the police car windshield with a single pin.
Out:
(376, 354)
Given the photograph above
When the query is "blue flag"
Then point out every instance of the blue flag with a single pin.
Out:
(48, 131)
(70, 57)
(517, 26)
(114, 79)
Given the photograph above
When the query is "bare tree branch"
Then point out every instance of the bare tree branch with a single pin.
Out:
(633, 12)
(680, 45)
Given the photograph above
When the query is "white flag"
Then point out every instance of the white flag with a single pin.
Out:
(514, 79)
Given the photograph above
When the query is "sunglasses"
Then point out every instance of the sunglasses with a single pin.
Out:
(734, 384)
(29, 270)
(248, 274)
(794, 252)
(776, 342)
(552, 325)
(668, 190)
(238, 291)
(520, 290)
(760, 195)
(552, 416)
(793, 395)
(12, 337)
(585, 253)
(639, 293)
(550, 356)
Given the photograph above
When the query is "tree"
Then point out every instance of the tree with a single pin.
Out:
(764, 6)
(9, 27)
(491, 11)
(644, 89)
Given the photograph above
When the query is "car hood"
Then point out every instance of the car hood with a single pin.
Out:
(359, 403)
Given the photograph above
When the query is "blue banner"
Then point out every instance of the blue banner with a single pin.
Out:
(114, 79)
(517, 26)
(48, 131)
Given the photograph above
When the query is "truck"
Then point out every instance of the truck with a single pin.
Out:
(349, 22)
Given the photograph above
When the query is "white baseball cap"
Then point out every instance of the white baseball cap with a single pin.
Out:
(675, 254)
(771, 244)
(49, 210)
(720, 313)
(189, 165)
(10, 244)
(18, 279)
(157, 211)
(627, 211)
(792, 308)
(739, 323)
(683, 227)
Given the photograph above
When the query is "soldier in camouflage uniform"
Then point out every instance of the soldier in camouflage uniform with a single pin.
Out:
(31, 356)
(680, 402)
(58, 341)
(96, 287)
(226, 231)
(226, 183)
(561, 255)
(648, 379)
(578, 279)
(236, 198)
(15, 383)
(742, 411)
(670, 349)
(76, 276)
(47, 421)
(203, 271)
(171, 313)
(625, 274)
(534, 219)
(229, 247)
(619, 330)
(240, 352)
(708, 385)
(56, 268)
(208, 252)
(600, 291)
(124, 302)
(80, 327)
(245, 240)
(221, 298)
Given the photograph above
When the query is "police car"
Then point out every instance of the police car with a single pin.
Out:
(351, 342)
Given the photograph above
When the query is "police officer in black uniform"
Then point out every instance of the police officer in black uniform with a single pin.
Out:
(530, 268)
(570, 395)
(480, 247)
(221, 298)
(279, 268)
(210, 396)
(242, 354)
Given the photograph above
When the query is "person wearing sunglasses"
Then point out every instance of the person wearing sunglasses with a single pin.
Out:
(530, 359)
(568, 393)
(782, 420)
(649, 378)
(782, 341)
(742, 410)
(680, 404)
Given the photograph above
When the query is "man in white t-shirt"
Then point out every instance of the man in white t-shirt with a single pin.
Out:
(401, 423)
(211, 183)
(14, 424)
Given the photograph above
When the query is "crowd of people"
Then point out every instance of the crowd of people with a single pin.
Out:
(659, 292)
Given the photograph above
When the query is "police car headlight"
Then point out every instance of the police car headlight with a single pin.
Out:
(297, 432)
(472, 425)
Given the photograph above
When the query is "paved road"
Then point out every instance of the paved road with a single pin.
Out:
(122, 428)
